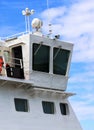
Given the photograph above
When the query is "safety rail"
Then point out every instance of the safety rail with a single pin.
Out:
(14, 67)
(11, 61)
(13, 36)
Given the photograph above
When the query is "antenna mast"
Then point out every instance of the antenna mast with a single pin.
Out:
(27, 14)
(49, 24)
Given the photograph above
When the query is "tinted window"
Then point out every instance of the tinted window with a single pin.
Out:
(21, 105)
(64, 108)
(41, 57)
(60, 61)
(48, 107)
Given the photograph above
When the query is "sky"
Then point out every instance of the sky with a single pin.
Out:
(73, 20)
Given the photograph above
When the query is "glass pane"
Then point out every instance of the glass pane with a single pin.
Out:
(21, 105)
(41, 57)
(6, 55)
(60, 61)
(48, 107)
(63, 108)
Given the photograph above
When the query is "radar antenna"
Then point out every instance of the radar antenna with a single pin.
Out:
(27, 14)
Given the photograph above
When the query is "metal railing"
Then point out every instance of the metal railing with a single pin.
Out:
(13, 36)
(12, 61)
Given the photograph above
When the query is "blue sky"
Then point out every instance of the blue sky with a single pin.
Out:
(74, 21)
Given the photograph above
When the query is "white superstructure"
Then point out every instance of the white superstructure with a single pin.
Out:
(33, 81)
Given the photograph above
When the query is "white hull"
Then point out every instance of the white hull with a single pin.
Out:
(34, 119)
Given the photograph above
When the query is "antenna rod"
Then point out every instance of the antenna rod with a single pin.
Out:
(27, 14)
(49, 23)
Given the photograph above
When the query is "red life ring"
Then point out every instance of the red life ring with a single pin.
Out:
(1, 64)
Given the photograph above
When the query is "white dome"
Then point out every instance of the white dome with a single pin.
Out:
(37, 23)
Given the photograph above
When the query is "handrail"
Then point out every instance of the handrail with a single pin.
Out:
(11, 59)
(13, 36)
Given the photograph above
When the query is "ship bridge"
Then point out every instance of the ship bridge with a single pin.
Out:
(42, 60)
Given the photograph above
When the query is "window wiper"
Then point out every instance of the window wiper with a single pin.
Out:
(38, 48)
(57, 52)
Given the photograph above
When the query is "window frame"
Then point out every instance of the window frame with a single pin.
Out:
(24, 102)
(66, 107)
(47, 70)
(51, 104)
(63, 70)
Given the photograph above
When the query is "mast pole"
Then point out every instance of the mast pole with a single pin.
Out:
(27, 14)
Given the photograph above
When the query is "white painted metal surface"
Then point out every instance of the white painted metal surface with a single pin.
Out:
(35, 87)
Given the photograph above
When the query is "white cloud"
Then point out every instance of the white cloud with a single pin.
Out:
(84, 106)
(82, 81)
(83, 110)
(53, 13)
(75, 24)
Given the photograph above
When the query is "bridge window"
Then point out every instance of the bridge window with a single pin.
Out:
(64, 108)
(48, 107)
(41, 57)
(21, 105)
(60, 61)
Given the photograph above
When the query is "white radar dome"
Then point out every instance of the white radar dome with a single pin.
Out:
(37, 23)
